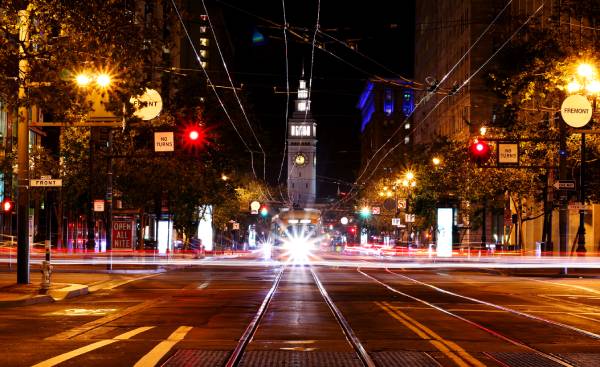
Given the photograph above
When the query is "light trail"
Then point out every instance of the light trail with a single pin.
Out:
(371, 263)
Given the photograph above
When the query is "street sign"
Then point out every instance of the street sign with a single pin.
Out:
(564, 185)
(98, 205)
(53, 182)
(376, 210)
(389, 204)
(163, 141)
(254, 206)
(409, 218)
(576, 111)
(148, 105)
(396, 222)
(402, 204)
(508, 153)
(579, 206)
(344, 220)
(235, 226)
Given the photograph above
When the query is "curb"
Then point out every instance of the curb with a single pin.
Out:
(70, 291)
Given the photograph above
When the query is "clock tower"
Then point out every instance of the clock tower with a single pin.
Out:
(302, 151)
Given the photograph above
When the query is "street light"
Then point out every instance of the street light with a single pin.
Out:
(102, 81)
(584, 83)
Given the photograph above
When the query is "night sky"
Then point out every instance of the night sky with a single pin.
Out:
(380, 30)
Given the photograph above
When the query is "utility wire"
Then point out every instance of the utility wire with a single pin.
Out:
(235, 92)
(287, 89)
(213, 87)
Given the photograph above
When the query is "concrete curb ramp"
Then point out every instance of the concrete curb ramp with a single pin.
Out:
(28, 295)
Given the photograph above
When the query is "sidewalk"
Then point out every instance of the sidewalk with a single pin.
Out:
(64, 285)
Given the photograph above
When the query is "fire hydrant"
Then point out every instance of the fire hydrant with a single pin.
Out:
(46, 272)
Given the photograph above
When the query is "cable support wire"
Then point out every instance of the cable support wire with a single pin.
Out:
(287, 89)
(235, 92)
(213, 87)
(435, 107)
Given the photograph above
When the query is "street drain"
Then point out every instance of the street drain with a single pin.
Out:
(403, 358)
(282, 358)
(197, 358)
(523, 359)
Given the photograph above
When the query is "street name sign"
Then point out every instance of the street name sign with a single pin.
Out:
(576, 111)
(409, 218)
(148, 105)
(163, 141)
(376, 210)
(396, 222)
(53, 182)
(564, 185)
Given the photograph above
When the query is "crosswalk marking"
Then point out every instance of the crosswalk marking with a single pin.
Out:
(90, 347)
(159, 351)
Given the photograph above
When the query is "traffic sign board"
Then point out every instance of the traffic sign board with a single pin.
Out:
(396, 222)
(98, 205)
(409, 218)
(564, 185)
(53, 182)
(376, 210)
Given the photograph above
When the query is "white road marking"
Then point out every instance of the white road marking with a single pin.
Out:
(159, 351)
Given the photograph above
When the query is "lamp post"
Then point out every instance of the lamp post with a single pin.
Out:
(101, 81)
(408, 182)
(582, 83)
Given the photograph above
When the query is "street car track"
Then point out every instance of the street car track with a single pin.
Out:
(237, 355)
(470, 322)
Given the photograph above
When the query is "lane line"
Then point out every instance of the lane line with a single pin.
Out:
(103, 320)
(423, 335)
(162, 348)
(583, 317)
(453, 346)
(345, 326)
(580, 287)
(473, 323)
(90, 347)
(499, 307)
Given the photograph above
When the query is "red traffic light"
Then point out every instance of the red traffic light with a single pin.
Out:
(264, 211)
(194, 134)
(480, 151)
(7, 205)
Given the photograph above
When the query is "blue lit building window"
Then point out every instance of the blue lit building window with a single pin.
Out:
(388, 101)
(408, 102)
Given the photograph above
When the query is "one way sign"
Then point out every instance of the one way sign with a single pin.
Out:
(564, 185)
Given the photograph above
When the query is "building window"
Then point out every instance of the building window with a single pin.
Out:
(300, 130)
(388, 101)
(302, 94)
(203, 53)
(204, 64)
(203, 29)
(203, 41)
(204, 17)
(293, 185)
(307, 186)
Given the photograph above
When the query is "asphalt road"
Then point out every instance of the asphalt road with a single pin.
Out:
(195, 316)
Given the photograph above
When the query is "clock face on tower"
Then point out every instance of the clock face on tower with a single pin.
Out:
(300, 159)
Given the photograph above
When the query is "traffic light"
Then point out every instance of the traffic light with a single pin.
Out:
(194, 136)
(480, 151)
(7, 205)
(264, 211)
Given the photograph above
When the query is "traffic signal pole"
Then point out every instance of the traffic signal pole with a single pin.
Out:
(23, 155)
(563, 211)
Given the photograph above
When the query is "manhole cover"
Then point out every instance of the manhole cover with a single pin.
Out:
(198, 358)
(282, 358)
(402, 358)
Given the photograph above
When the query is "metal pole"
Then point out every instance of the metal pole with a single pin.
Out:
(23, 156)
(563, 214)
(581, 231)
(90, 244)
(109, 194)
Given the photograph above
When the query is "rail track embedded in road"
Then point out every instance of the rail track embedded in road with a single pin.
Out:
(497, 334)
